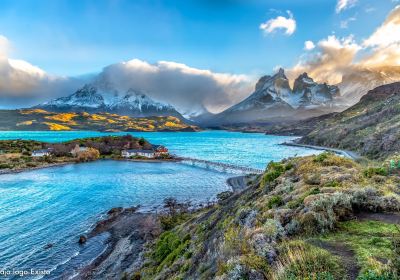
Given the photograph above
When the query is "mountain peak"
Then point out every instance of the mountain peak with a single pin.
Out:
(103, 97)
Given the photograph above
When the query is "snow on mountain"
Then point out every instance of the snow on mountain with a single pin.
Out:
(309, 94)
(274, 99)
(359, 81)
(105, 98)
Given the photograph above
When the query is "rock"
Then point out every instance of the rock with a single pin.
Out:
(48, 246)
(115, 210)
(82, 239)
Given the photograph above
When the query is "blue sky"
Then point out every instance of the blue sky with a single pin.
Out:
(78, 37)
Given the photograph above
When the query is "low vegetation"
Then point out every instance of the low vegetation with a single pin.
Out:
(271, 229)
(17, 154)
(38, 119)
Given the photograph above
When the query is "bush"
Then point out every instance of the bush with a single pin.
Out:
(274, 170)
(321, 157)
(169, 247)
(224, 195)
(275, 201)
(299, 260)
(371, 171)
(373, 275)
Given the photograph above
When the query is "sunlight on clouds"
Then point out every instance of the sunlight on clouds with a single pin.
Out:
(187, 88)
(329, 62)
(388, 32)
(333, 57)
(344, 4)
(280, 22)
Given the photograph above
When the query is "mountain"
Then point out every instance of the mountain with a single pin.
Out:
(370, 127)
(274, 100)
(39, 119)
(360, 80)
(95, 98)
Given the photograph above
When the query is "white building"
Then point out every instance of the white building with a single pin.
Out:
(41, 153)
(142, 153)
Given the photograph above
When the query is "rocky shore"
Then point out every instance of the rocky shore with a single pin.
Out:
(129, 231)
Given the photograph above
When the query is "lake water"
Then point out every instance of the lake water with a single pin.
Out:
(56, 205)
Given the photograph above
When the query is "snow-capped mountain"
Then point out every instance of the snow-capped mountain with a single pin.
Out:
(309, 94)
(273, 99)
(359, 81)
(105, 98)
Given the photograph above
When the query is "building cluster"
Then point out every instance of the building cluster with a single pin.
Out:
(155, 152)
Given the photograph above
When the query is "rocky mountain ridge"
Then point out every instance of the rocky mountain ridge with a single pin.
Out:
(370, 127)
(274, 100)
(105, 98)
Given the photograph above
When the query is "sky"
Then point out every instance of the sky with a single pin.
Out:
(49, 47)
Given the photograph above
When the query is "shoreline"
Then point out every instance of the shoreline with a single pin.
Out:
(58, 164)
(129, 231)
(346, 153)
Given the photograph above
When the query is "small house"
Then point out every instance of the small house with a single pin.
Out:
(41, 153)
(141, 153)
(159, 150)
(77, 149)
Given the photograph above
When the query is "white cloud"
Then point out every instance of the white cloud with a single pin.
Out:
(344, 4)
(187, 88)
(388, 32)
(345, 23)
(333, 57)
(280, 22)
(309, 45)
(22, 82)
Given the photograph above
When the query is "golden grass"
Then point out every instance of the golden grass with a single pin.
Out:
(56, 126)
(25, 123)
(63, 117)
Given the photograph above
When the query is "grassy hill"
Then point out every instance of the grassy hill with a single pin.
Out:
(296, 221)
(371, 127)
(38, 119)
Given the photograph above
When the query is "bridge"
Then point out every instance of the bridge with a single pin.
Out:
(220, 166)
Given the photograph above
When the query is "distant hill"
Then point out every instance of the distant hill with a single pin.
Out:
(39, 119)
(371, 127)
(273, 100)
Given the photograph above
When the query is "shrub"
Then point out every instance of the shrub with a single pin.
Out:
(321, 157)
(224, 195)
(299, 260)
(373, 275)
(275, 201)
(274, 170)
(169, 247)
(371, 171)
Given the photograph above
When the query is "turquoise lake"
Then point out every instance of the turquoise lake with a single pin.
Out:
(56, 205)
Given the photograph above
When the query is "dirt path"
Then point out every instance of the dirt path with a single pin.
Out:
(344, 252)
(390, 218)
(346, 153)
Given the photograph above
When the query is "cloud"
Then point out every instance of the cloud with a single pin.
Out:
(189, 89)
(344, 4)
(309, 45)
(22, 82)
(280, 22)
(388, 32)
(333, 57)
(345, 23)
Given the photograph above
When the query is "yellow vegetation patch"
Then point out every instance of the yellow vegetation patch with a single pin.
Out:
(25, 123)
(34, 111)
(111, 121)
(63, 117)
(171, 124)
(96, 117)
(56, 126)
